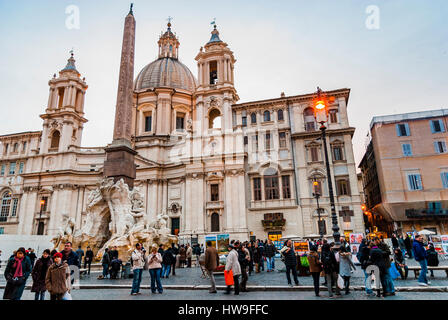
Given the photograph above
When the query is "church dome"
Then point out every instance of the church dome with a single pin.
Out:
(166, 72)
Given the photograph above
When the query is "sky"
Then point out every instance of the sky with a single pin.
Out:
(394, 58)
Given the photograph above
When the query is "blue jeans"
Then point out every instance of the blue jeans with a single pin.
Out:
(137, 279)
(389, 282)
(423, 271)
(155, 277)
(366, 275)
(105, 270)
(39, 295)
(269, 263)
(166, 268)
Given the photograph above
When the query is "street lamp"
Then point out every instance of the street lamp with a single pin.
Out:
(316, 194)
(320, 114)
(42, 203)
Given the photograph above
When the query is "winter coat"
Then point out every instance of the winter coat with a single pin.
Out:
(346, 264)
(138, 260)
(13, 289)
(72, 258)
(386, 254)
(106, 259)
(394, 242)
(113, 254)
(39, 273)
(167, 257)
(329, 262)
(32, 257)
(257, 255)
(407, 243)
(211, 258)
(89, 256)
(290, 256)
(154, 263)
(232, 263)
(433, 257)
(399, 258)
(419, 251)
(80, 254)
(189, 252)
(182, 254)
(57, 280)
(377, 258)
(270, 250)
(314, 262)
(401, 244)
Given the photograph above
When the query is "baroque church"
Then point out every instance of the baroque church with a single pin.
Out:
(211, 164)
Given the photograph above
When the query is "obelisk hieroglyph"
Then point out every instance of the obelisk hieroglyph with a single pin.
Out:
(119, 162)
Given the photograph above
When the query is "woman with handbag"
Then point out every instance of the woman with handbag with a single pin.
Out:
(17, 272)
(345, 267)
(233, 268)
(315, 268)
(57, 280)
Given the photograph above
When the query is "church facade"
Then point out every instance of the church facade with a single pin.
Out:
(211, 164)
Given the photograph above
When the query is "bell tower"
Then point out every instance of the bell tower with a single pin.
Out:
(64, 117)
(216, 92)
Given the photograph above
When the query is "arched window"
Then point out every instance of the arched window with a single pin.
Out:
(271, 186)
(215, 222)
(55, 140)
(6, 148)
(16, 147)
(267, 116)
(308, 115)
(24, 146)
(253, 118)
(280, 115)
(6, 204)
(214, 119)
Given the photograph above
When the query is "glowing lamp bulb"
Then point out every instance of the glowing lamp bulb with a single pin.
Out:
(320, 105)
(315, 183)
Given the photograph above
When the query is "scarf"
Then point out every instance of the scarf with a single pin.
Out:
(18, 265)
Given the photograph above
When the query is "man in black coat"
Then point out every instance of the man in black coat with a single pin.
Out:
(408, 246)
(175, 252)
(69, 256)
(88, 259)
(290, 262)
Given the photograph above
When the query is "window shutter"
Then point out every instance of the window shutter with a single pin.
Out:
(436, 147)
(397, 126)
(431, 124)
(443, 146)
(408, 132)
(442, 127)
(419, 181)
(444, 176)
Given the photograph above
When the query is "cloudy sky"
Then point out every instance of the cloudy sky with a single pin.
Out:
(290, 46)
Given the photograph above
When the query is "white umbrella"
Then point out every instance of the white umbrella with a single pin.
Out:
(291, 236)
(426, 232)
(313, 236)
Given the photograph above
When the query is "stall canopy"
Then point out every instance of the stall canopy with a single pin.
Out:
(426, 232)
(290, 237)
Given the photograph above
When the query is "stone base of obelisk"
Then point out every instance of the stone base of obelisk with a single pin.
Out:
(120, 164)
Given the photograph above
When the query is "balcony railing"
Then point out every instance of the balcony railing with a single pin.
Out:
(273, 224)
(426, 213)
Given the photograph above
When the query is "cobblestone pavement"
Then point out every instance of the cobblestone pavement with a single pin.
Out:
(123, 294)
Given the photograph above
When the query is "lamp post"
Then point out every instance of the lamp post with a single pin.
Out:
(320, 114)
(316, 194)
(42, 203)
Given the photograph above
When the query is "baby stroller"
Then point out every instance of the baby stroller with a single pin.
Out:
(115, 267)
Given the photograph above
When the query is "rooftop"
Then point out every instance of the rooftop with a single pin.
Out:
(409, 116)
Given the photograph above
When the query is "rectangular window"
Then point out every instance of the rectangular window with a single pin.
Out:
(245, 140)
(2, 230)
(407, 149)
(255, 143)
(2, 172)
(15, 202)
(437, 126)
(343, 189)
(333, 116)
(310, 126)
(314, 154)
(435, 206)
(244, 120)
(337, 153)
(414, 181)
(214, 192)
(180, 122)
(282, 139)
(257, 189)
(21, 167)
(286, 188)
(148, 123)
(440, 146)
(444, 176)
(403, 130)
(268, 141)
(271, 188)
(12, 168)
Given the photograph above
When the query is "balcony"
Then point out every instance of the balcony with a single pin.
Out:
(426, 213)
(273, 224)
(211, 205)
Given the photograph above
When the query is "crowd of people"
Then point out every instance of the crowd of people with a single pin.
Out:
(51, 272)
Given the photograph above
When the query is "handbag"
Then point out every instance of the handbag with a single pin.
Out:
(228, 277)
(340, 282)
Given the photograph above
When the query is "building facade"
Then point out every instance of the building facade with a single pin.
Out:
(212, 165)
(405, 172)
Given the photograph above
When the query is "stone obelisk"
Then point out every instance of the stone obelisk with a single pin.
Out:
(119, 162)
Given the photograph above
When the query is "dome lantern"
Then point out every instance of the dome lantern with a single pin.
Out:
(168, 43)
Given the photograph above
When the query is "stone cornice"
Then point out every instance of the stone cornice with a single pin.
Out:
(60, 172)
(48, 116)
(317, 134)
(21, 135)
(340, 93)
